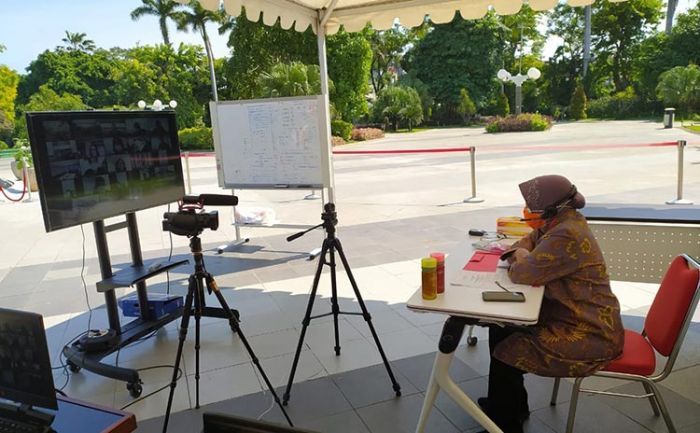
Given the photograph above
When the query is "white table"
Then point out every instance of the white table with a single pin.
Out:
(464, 305)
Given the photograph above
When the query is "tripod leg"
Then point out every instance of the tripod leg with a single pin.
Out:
(335, 309)
(307, 319)
(367, 316)
(234, 322)
(198, 304)
(182, 335)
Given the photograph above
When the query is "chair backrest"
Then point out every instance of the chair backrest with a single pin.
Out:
(673, 305)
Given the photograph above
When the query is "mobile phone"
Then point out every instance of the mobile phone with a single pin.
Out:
(503, 296)
(476, 232)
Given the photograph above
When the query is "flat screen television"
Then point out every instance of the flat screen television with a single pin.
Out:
(92, 165)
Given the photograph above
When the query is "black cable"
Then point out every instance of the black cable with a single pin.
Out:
(58, 391)
(87, 297)
(179, 376)
(170, 256)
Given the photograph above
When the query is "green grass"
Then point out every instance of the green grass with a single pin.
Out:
(415, 129)
(693, 128)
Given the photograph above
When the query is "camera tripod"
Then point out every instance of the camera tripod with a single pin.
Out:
(331, 244)
(195, 295)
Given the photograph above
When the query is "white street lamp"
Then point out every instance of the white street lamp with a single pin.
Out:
(518, 80)
(157, 105)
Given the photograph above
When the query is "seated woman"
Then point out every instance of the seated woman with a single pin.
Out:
(579, 329)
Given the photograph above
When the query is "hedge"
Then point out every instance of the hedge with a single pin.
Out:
(197, 138)
(341, 128)
(519, 123)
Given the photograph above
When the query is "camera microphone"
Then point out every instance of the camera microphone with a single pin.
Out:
(211, 200)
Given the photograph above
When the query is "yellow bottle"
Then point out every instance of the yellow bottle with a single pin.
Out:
(429, 278)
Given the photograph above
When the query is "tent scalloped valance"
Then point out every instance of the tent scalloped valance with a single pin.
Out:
(355, 14)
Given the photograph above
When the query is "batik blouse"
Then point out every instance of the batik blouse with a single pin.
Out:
(579, 330)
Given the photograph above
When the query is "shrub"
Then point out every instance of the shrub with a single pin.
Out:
(621, 105)
(341, 128)
(335, 141)
(521, 122)
(398, 104)
(3, 145)
(362, 134)
(502, 105)
(577, 107)
(197, 138)
(466, 106)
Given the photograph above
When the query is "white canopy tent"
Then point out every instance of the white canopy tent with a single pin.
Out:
(326, 17)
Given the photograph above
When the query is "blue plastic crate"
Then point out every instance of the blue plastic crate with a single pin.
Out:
(159, 304)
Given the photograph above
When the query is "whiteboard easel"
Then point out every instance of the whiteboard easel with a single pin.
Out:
(277, 143)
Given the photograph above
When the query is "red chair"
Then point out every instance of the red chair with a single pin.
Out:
(664, 330)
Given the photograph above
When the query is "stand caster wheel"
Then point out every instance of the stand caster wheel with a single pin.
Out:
(73, 367)
(471, 341)
(135, 389)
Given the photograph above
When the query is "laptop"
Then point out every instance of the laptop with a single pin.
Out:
(27, 395)
(219, 423)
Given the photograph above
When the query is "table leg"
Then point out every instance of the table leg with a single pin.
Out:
(440, 379)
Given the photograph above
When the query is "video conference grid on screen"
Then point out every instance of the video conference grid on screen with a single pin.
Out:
(101, 166)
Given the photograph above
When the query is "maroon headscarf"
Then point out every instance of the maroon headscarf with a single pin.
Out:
(544, 191)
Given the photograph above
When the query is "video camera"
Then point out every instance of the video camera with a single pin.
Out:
(188, 222)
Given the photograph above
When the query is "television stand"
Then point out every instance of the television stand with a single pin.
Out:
(135, 274)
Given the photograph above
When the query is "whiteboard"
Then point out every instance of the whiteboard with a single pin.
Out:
(271, 143)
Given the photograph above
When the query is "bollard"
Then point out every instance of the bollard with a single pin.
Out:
(187, 172)
(473, 198)
(27, 182)
(679, 198)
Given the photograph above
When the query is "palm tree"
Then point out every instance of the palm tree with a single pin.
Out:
(587, 40)
(291, 79)
(78, 42)
(196, 18)
(163, 9)
(670, 12)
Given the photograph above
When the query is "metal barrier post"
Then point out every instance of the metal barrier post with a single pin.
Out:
(27, 181)
(187, 172)
(679, 199)
(473, 198)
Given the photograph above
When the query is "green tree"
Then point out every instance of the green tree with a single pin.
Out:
(502, 105)
(466, 106)
(661, 52)
(427, 101)
(162, 72)
(387, 50)
(291, 79)
(680, 86)
(619, 27)
(460, 54)
(8, 92)
(521, 31)
(349, 60)
(256, 48)
(47, 100)
(71, 71)
(78, 42)
(412, 111)
(195, 18)
(164, 10)
(2, 48)
(578, 105)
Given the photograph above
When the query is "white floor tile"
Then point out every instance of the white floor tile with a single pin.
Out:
(278, 368)
(354, 354)
(225, 383)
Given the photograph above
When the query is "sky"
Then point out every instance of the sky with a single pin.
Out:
(28, 27)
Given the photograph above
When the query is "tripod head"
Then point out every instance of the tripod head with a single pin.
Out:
(188, 222)
(330, 220)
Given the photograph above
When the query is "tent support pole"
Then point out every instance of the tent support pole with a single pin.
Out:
(325, 113)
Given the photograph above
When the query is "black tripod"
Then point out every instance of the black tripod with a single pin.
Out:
(195, 293)
(330, 244)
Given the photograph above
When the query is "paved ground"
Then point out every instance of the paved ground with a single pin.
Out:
(392, 210)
